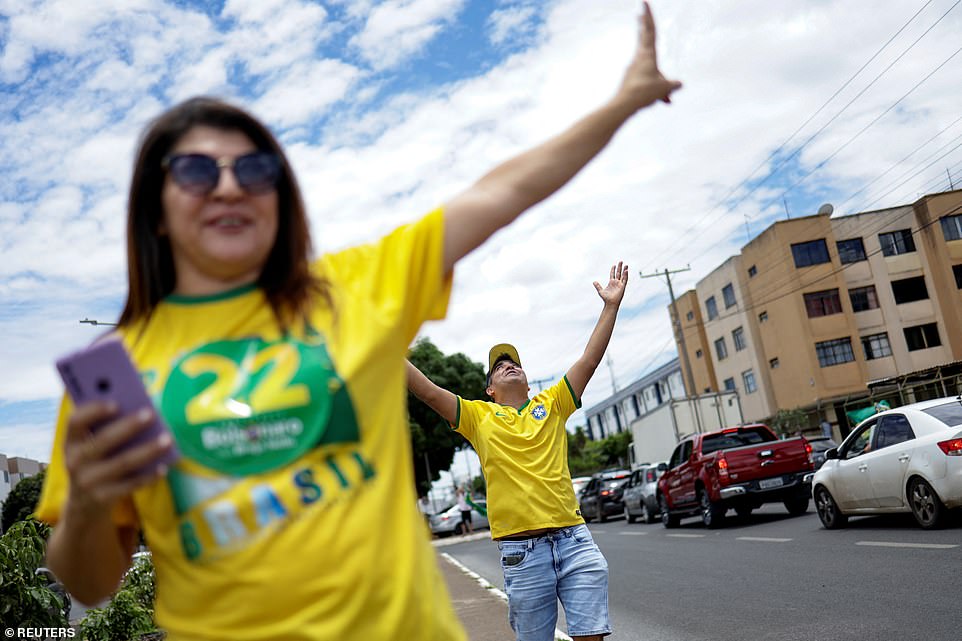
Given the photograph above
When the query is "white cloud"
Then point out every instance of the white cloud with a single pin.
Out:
(397, 29)
(306, 90)
(505, 24)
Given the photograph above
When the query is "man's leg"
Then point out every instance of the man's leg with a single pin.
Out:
(531, 585)
(583, 584)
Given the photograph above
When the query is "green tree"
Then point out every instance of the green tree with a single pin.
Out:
(431, 437)
(25, 599)
(22, 500)
(586, 457)
(788, 422)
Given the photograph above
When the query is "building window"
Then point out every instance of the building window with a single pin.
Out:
(728, 293)
(952, 227)
(773, 363)
(863, 298)
(752, 271)
(738, 337)
(711, 308)
(851, 250)
(876, 346)
(824, 303)
(748, 378)
(690, 315)
(897, 242)
(720, 349)
(697, 353)
(813, 252)
(763, 317)
(834, 352)
(909, 290)
(922, 336)
(957, 272)
(729, 384)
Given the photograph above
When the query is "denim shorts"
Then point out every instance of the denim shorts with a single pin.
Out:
(565, 564)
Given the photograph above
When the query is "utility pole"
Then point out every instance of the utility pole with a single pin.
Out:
(611, 373)
(676, 325)
(951, 184)
(541, 381)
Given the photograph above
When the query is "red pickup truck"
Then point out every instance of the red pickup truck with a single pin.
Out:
(738, 468)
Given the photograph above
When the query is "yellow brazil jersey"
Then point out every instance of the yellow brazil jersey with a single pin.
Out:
(524, 454)
(292, 512)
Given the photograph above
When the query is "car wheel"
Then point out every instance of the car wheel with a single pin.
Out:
(668, 519)
(828, 512)
(584, 515)
(602, 517)
(646, 514)
(712, 514)
(628, 515)
(797, 505)
(927, 507)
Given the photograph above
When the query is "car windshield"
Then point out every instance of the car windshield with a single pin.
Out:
(948, 413)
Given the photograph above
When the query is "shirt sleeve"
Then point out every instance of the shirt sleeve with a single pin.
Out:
(468, 417)
(56, 483)
(401, 273)
(564, 397)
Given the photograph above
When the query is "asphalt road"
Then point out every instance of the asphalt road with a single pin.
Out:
(773, 578)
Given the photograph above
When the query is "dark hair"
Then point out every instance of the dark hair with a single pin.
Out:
(504, 357)
(286, 279)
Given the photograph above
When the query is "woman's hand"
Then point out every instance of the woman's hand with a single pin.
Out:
(643, 83)
(102, 471)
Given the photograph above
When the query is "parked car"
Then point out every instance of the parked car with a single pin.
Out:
(448, 521)
(820, 445)
(641, 493)
(907, 459)
(579, 483)
(601, 498)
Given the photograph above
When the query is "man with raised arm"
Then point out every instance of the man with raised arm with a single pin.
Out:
(547, 552)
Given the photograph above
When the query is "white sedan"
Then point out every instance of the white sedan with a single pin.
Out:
(908, 459)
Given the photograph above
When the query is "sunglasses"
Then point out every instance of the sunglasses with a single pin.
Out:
(198, 174)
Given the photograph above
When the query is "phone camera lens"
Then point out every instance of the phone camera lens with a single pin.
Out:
(103, 385)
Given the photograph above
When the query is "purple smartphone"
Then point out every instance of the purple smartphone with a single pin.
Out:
(103, 372)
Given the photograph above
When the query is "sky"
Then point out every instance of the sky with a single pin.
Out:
(389, 108)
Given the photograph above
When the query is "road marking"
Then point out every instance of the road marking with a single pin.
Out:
(922, 546)
(687, 536)
(632, 533)
(763, 539)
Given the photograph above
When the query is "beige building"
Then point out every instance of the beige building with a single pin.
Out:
(14, 469)
(813, 309)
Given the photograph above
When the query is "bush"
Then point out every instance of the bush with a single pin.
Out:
(25, 599)
(130, 614)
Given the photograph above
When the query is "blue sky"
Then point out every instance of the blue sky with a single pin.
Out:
(389, 107)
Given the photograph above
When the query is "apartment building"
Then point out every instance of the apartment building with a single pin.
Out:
(814, 309)
(615, 413)
(13, 470)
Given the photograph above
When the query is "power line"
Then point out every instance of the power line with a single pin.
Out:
(745, 181)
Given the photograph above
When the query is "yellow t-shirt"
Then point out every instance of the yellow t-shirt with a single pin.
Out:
(524, 454)
(292, 513)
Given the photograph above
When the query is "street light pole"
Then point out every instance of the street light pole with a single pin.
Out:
(90, 321)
